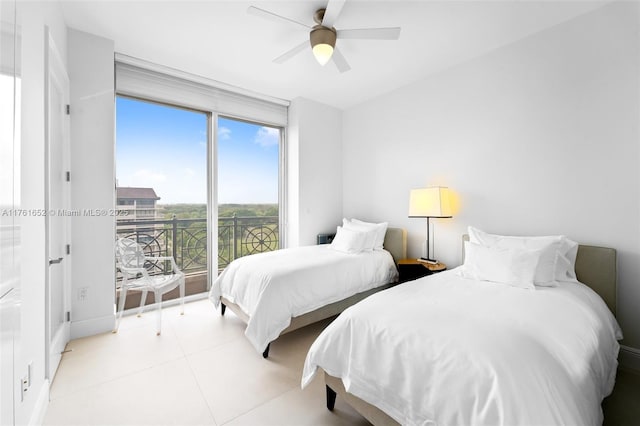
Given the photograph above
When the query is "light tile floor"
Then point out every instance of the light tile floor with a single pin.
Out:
(200, 371)
(203, 371)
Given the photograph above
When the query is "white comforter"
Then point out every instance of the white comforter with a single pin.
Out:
(445, 350)
(275, 286)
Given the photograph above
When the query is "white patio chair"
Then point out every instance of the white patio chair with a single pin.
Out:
(130, 260)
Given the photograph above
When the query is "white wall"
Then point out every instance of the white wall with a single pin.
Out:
(34, 16)
(538, 137)
(314, 171)
(91, 71)
(9, 200)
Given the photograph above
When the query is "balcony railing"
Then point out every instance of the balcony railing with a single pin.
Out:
(186, 239)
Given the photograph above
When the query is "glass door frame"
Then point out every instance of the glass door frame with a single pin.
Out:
(212, 250)
(212, 141)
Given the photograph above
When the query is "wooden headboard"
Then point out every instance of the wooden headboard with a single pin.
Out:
(597, 268)
(395, 242)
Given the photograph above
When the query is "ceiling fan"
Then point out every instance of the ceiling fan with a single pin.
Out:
(323, 36)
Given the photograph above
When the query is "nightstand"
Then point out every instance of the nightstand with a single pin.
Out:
(411, 269)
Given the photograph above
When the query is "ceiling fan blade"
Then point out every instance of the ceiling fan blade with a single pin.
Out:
(340, 61)
(293, 52)
(392, 33)
(331, 13)
(252, 10)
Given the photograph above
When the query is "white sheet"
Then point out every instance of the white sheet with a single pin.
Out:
(275, 286)
(445, 350)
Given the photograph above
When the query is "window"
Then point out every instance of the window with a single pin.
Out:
(255, 144)
(161, 169)
(248, 189)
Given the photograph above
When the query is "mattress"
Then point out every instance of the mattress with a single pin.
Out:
(448, 350)
(273, 287)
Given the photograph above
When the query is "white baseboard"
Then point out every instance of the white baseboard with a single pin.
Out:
(168, 303)
(40, 408)
(629, 358)
(92, 326)
(107, 323)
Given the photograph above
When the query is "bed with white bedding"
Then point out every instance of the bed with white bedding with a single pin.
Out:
(458, 350)
(283, 290)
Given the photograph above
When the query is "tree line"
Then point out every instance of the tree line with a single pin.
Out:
(199, 211)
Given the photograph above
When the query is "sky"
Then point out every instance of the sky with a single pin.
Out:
(165, 148)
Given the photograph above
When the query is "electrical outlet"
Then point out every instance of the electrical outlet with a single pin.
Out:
(82, 293)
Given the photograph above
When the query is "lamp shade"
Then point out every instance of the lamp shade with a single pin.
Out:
(430, 202)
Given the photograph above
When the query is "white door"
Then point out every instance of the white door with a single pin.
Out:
(57, 208)
(8, 324)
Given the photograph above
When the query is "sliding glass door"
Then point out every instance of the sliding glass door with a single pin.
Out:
(162, 187)
(166, 199)
(248, 190)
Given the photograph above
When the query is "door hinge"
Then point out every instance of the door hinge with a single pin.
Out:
(68, 316)
(68, 176)
(68, 248)
(68, 109)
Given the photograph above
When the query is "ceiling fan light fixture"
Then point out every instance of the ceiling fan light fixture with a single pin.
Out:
(322, 53)
(323, 40)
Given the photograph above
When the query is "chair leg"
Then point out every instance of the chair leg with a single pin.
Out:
(123, 296)
(158, 296)
(143, 299)
(182, 297)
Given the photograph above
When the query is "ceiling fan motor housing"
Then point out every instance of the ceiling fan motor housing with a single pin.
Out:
(323, 35)
(318, 16)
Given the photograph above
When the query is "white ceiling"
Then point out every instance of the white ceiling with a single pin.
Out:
(221, 41)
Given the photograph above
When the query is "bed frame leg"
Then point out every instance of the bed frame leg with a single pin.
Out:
(331, 398)
(223, 307)
(265, 354)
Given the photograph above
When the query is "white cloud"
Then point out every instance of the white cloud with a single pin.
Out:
(224, 133)
(267, 136)
(189, 172)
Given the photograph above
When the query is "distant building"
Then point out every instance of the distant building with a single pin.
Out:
(139, 203)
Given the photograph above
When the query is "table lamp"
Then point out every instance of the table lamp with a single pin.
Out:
(428, 203)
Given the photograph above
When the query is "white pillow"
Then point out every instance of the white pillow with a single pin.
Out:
(348, 241)
(566, 262)
(380, 229)
(549, 269)
(370, 233)
(511, 266)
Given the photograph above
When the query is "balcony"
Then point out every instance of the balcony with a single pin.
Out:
(186, 241)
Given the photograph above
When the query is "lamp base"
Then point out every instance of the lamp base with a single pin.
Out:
(429, 261)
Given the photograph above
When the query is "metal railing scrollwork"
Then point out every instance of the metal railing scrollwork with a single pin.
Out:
(186, 239)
